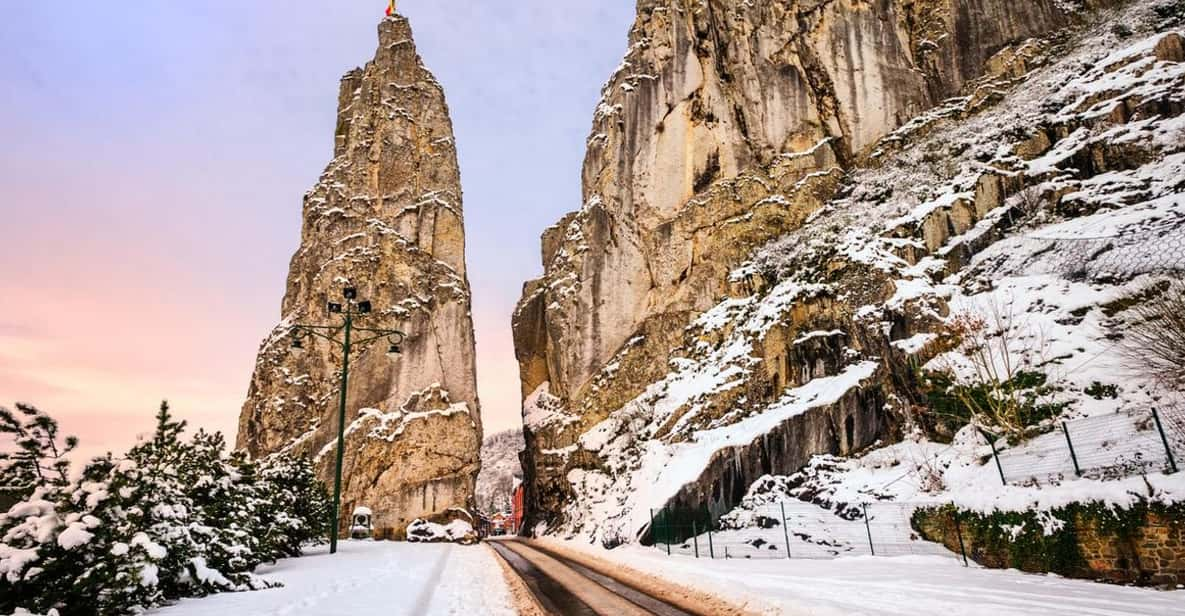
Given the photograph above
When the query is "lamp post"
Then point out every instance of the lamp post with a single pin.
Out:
(349, 310)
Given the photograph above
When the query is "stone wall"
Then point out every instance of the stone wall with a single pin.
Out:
(1143, 545)
(1154, 554)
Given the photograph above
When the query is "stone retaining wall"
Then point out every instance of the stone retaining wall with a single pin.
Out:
(1144, 545)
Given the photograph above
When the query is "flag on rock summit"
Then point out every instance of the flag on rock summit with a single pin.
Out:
(390, 8)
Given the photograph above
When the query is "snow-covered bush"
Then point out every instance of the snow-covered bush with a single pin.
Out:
(1154, 342)
(170, 519)
(990, 379)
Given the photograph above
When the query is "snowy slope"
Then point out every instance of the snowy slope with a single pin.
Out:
(499, 466)
(366, 577)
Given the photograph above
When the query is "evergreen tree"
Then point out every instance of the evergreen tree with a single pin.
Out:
(37, 456)
(171, 519)
(295, 505)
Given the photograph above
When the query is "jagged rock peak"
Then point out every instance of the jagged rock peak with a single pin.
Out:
(386, 218)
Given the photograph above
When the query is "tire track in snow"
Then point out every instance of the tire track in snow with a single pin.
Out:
(567, 588)
(420, 605)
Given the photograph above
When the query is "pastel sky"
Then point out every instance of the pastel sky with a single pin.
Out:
(153, 156)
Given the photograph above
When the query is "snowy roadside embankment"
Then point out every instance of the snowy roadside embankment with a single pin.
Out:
(370, 577)
(875, 586)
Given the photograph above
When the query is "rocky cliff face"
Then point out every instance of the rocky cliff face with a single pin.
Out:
(730, 124)
(386, 218)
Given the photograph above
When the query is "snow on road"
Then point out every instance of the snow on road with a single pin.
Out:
(893, 586)
(365, 578)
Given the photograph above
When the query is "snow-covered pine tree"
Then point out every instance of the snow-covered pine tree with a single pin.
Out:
(141, 551)
(37, 455)
(296, 506)
(224, 502)
(171, 519)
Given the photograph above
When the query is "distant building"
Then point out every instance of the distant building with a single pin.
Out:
(517, 505)
(501, 524)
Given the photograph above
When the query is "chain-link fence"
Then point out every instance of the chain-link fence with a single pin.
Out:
(1172, 421)
(1099, 252)
(1101, 447)
(1108, 446)
(793, 529)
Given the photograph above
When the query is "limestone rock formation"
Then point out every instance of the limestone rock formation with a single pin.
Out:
(730, 124)
(385, 218)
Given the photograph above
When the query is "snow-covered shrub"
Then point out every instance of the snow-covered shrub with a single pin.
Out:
(989, 379)
(1154, 342)
(171, 519)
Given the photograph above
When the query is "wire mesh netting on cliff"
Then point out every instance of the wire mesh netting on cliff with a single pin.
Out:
(1109, 446)
(1103, 447)
(793, 529)
(1154, 246)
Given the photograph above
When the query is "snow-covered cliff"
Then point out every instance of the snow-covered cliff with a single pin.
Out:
(685, 341)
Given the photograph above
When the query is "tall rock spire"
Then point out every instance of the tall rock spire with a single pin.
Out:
(386, 218)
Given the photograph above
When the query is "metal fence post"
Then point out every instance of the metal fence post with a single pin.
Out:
(995, 455)
(1070, 443)
(653, 528)
(711, 549)
(785, 531)
(868, 529)
(667, 519)
(959, 532)
(1168, 451)
(695, 538)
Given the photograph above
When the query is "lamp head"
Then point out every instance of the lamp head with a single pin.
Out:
(350, 293)
(335, 307)
(364, 307)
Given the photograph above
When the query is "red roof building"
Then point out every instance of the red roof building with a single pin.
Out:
(518, 506)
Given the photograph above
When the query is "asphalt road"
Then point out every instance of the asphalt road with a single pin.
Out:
(566, 588)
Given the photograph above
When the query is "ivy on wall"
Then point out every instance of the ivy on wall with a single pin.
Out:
(1044, 541)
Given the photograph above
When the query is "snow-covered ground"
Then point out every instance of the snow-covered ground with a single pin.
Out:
(904, 585)
(365, 577)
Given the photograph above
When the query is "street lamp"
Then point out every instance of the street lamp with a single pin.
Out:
(350, 309)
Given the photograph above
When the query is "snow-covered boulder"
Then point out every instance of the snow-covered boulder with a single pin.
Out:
(457, 531)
